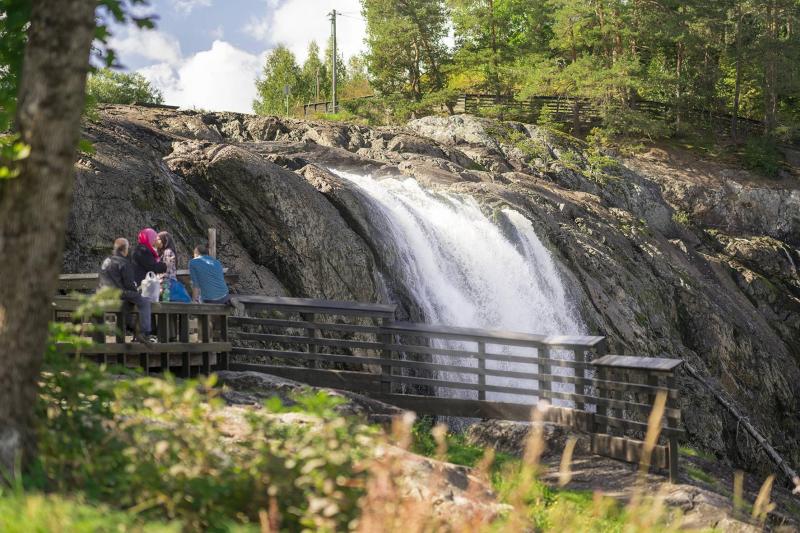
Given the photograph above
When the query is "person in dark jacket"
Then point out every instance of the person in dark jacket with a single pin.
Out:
(117, 272)
(145, 256)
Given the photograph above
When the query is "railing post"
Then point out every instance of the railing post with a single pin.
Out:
(183, 336)
(672, 439)
(311, 333)
(386, 370)
(482, 368)
(580, 373)
(222, 357)
(544, 370)
(163, 337)
(205, 338)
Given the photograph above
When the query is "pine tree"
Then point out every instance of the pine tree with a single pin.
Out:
(405, 38)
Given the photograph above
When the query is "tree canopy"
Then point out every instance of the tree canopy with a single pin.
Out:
(109, 87)
(733, 56)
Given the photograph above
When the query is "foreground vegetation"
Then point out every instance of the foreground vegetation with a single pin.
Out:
(122, 452)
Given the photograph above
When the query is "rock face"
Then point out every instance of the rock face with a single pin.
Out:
(659, 262)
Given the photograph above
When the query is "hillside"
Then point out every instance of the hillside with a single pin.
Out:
(661, 264)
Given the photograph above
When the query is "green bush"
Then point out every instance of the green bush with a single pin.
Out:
(39, 513)
(164, 448)
(161, 448)
(761, 155)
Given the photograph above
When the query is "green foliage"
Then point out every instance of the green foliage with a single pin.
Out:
(160, 448)
(762, 155)
(406, 52)
(33, 512)
(280, 71)
(12, 151)
(13, 27)
(109, 87)
(549, 509)
(682, 218)
(694, 452)
(699, 475)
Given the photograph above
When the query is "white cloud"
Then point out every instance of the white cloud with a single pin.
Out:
(295, 23)
(152, 45)
(186, 6)
(219, 79)
(258, 28)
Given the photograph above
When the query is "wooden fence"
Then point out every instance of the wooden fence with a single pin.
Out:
(429, 369)
(178, 347)
(87, 282)
(588, 112)
(462, 372)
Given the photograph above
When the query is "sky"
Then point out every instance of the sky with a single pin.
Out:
(206, 54)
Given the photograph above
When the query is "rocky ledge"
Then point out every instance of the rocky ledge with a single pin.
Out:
(705, 271)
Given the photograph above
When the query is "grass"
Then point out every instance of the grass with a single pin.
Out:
(698, 474)
(693, 452)
(547, 506)
(36, 512)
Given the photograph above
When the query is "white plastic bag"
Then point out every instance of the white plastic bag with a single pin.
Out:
(150, 287)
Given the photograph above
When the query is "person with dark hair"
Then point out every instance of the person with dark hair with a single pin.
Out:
(117, 272)
(145, 257)
(168, 255)
(208, 278)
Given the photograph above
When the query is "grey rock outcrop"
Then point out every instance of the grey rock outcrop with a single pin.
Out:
(659, 264)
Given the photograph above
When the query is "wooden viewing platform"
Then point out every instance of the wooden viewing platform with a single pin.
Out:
(429, 369)
(177, 348)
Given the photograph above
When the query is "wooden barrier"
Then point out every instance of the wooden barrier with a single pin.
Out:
(465, 372)
(588, 112)
(175, 348)
(87, 282)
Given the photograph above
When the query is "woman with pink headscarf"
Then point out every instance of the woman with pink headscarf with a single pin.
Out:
(145, 255)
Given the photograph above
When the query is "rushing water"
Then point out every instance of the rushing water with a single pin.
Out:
(462, 269)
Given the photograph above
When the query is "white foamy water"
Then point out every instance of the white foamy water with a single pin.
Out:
(462, 270)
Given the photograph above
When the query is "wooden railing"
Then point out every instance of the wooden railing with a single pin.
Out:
(588, 111)
(86, 282)
(178, 348)
(462, 372)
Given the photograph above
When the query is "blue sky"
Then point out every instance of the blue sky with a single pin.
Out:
(207, 53)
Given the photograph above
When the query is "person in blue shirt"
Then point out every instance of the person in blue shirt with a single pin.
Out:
(208, 278)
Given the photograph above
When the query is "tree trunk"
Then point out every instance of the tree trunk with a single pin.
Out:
(678, 87)
(771, 68)
(495, 75)
(738, 84)
(35, 205)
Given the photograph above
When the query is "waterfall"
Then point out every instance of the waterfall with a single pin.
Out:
(462, 269)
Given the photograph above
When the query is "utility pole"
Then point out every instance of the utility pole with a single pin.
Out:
(332, 15)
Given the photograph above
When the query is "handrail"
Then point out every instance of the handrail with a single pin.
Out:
(489, 335)
(399, 362)
(87, 281)
(321, 306)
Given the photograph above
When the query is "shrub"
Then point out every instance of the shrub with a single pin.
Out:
(682, 218)
(163, 448)
(23, 513)
(761, 155)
